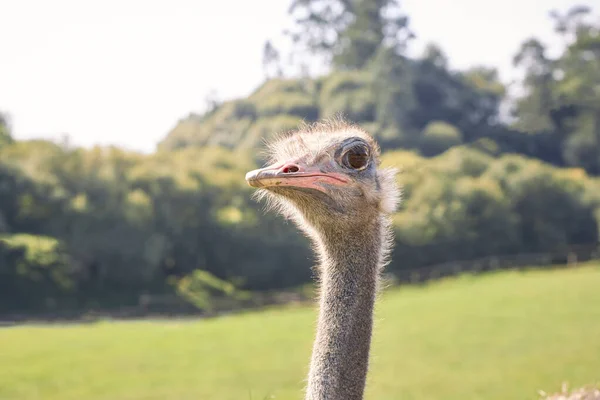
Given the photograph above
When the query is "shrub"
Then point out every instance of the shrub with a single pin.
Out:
(438, 137)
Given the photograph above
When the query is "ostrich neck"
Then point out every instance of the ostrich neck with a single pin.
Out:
(349, 272)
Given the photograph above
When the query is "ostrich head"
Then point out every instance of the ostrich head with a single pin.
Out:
(326, 176)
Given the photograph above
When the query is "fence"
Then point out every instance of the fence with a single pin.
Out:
(569, 256)
(174, 306)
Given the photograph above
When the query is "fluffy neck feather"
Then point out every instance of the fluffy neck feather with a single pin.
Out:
(350, 262)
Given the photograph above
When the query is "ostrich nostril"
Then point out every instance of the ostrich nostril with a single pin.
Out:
(290, 169)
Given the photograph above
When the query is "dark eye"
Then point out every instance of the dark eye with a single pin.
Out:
(357, 157)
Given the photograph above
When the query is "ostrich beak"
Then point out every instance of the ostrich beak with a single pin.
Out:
(294, 175)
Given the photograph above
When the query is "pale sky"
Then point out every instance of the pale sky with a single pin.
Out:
(124, 71)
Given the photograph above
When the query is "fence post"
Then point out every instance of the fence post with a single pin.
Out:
(457, 269)
(572, 259)
(415, 277)
(494, 263)
(144, 301)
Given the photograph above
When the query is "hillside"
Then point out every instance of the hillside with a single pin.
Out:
(282, 104)
(278, 105)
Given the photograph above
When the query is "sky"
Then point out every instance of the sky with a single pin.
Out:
(123, 72)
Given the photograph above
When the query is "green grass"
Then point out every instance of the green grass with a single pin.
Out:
(499, 336)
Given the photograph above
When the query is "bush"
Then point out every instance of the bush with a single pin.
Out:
(267, 128)
(462, 161)
(296, 104)
(438, 137)
(35, 272)
(203, 290)
(348, 93)
(244, 109)
(339, 83)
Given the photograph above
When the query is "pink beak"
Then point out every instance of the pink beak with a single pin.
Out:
(294, 175)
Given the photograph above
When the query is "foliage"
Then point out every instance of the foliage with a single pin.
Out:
(438, 137)
(562, 92)
(132, 223)
(5, 136)
(234, 124)
(201, 288)
(35, 272)
(347, 93)
(474, 184)
(348, 33)
(465, 204)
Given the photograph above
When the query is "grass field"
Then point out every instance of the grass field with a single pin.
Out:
(499, 336)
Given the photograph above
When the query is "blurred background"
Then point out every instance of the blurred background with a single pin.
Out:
(126, 129)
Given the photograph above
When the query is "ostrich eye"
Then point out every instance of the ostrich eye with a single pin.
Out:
(357, 157)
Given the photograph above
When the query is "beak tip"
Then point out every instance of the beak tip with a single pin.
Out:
(251, 179)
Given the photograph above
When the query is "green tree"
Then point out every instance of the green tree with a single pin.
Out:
(438, 137)
(348, 33)
(374, 24)
(35, 274)
(5, 136)
(562, 100)
(394, 98)
(533, 110)
(271, 61)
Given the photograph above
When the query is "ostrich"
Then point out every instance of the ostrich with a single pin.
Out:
(325, 178)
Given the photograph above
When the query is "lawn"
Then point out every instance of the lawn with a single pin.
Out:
(499, 336)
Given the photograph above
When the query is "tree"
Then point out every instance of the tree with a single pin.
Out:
(562, 99)
(394, 98)
(435, 56)
(551, 209)
(568, 24)
(533, 110)
(375, 24)
(5, 136)
(348, 33)
(438, 137)
(271, 61)
(211, 102)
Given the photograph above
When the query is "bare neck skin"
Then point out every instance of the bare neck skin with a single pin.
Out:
(350, 264)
